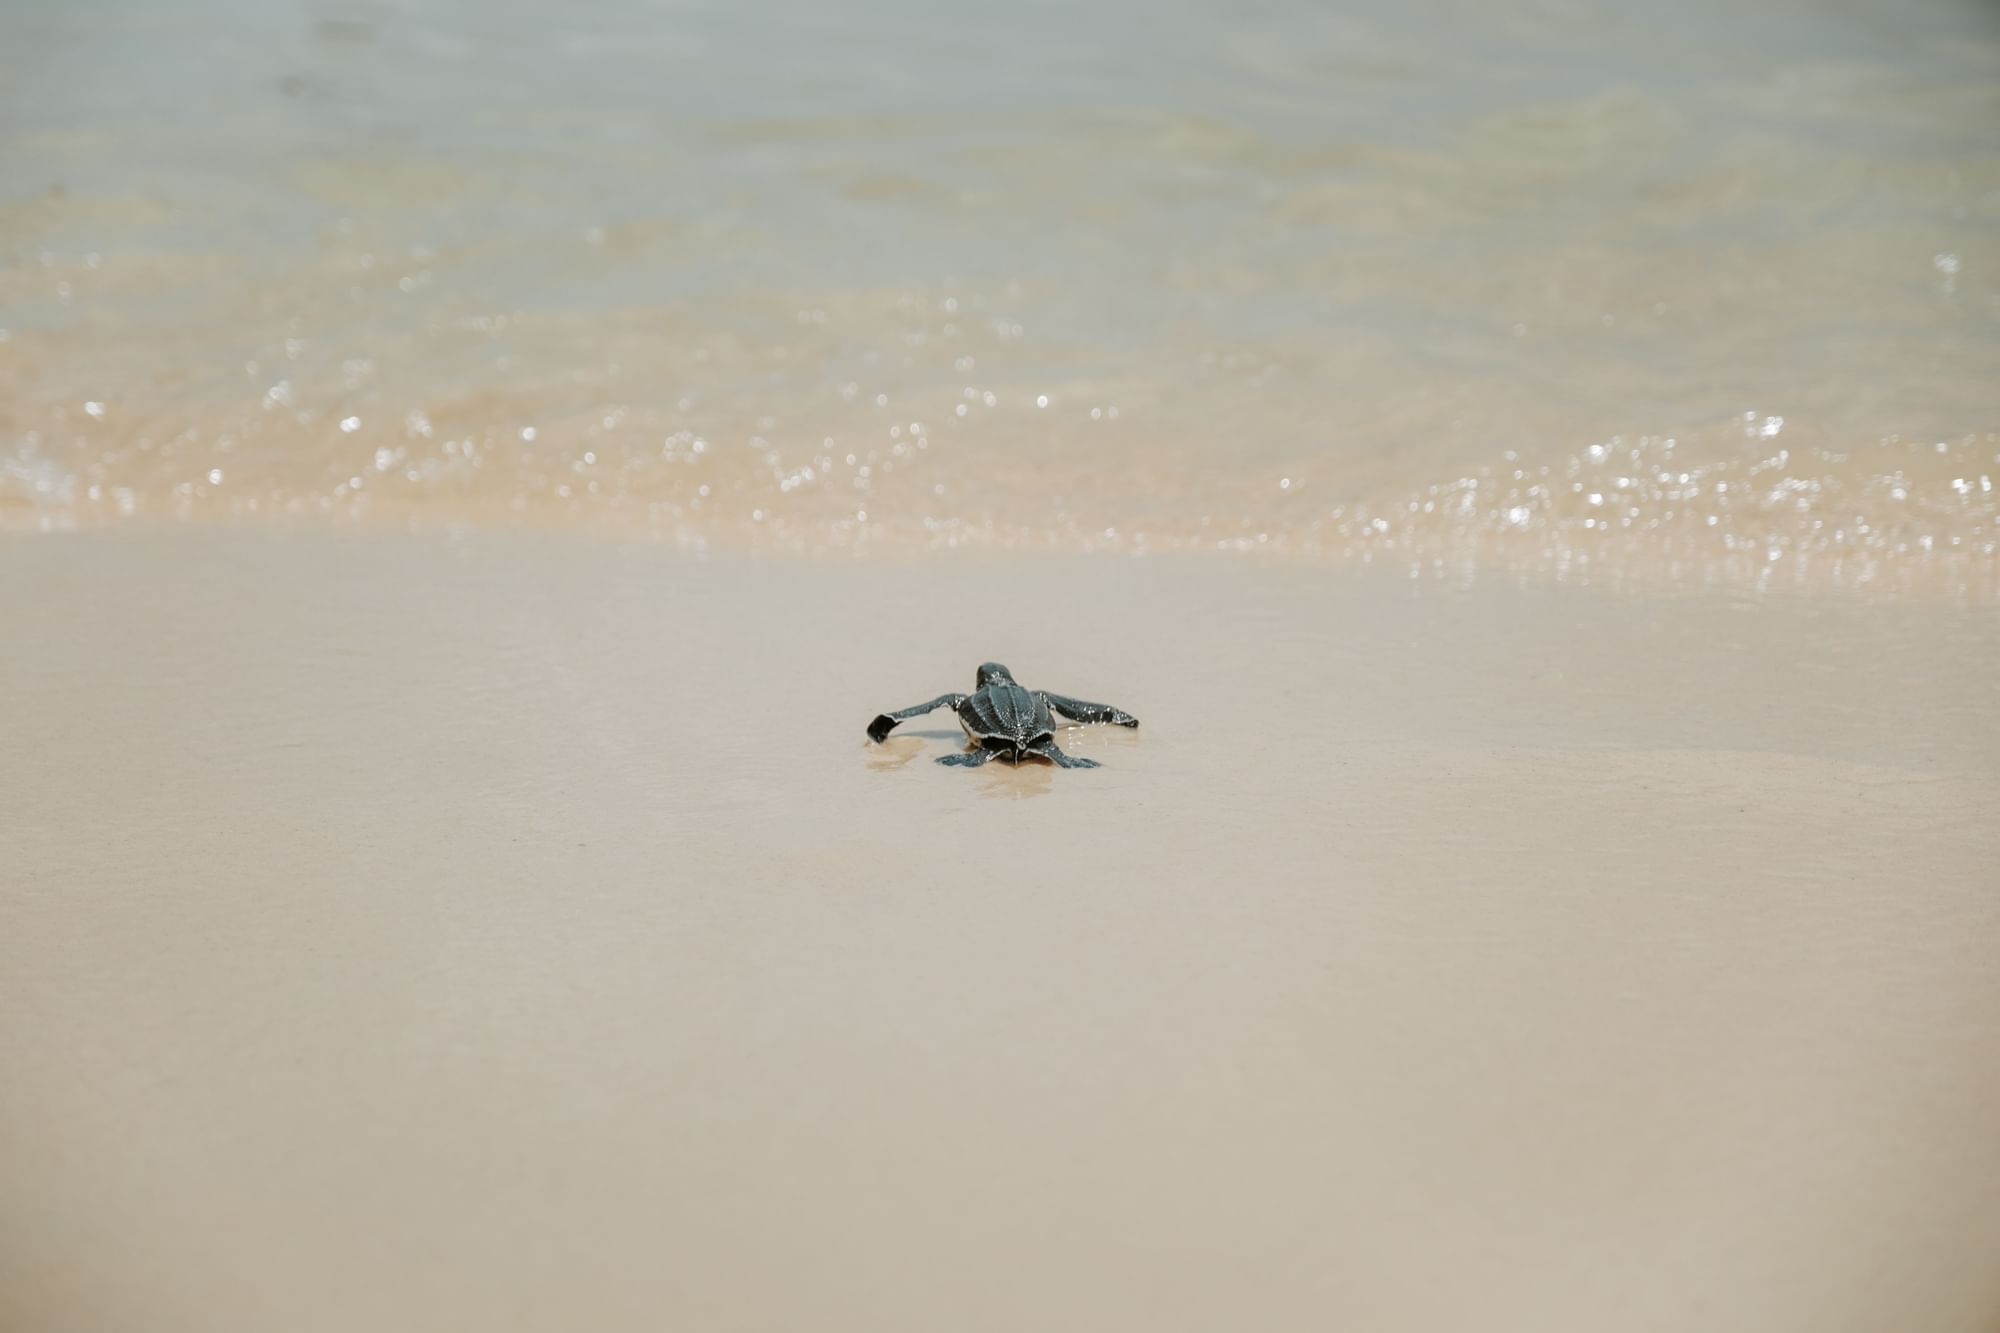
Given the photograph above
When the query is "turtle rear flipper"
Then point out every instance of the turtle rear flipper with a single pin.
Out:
(1048, 749)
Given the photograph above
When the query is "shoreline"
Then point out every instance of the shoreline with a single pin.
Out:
(1967, 582)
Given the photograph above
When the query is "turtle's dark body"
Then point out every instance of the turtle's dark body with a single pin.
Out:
(1005, 720)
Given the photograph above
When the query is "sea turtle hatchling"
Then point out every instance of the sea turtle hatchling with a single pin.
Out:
(1007, 721)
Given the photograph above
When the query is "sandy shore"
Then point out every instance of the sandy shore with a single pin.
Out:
(518, 933)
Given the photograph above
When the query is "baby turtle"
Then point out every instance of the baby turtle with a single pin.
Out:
(1006, 721)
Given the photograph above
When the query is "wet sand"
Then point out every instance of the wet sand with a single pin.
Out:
(516, 932)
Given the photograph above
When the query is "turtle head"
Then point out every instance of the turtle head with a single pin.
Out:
(992, 673)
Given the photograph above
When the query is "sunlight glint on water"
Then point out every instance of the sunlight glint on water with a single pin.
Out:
(1598, 293)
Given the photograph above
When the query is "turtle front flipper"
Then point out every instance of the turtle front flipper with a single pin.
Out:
(884, 723)
(1080, 710)
(1049, 750)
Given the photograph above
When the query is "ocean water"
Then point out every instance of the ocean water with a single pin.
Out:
(1600, 292)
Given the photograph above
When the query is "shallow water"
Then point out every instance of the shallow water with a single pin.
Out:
(1603, 292)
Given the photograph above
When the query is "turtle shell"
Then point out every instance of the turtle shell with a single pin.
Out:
(1003, 711)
